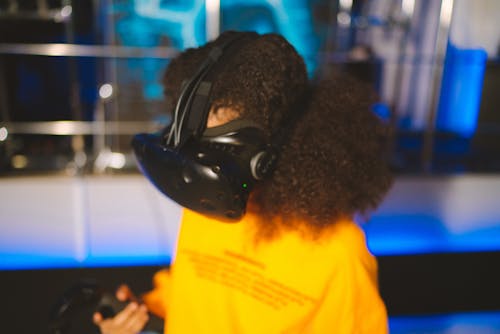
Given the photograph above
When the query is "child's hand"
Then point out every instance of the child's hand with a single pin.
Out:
(130, 320)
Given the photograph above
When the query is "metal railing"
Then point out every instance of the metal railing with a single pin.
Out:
(80, 50)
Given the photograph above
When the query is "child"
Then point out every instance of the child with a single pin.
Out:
(296, 262)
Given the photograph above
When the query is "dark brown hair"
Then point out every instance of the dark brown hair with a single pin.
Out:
(333, 165)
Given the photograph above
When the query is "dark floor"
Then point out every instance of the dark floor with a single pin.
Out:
(440, 283)
(427, 284)
(30, 296)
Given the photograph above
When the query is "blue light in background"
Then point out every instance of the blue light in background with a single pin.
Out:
(420, 234)
(461, 89)
(472, 322)
(290, 18)
(383, 111)
(148, 23)
(34, 261)
(386, 236)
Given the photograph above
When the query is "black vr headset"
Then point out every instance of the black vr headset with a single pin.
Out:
(211, 171)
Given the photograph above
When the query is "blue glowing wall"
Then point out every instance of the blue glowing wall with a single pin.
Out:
(181, 24)
(291, 18)
(177, 24)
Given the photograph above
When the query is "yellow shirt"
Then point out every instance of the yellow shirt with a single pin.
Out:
(223, 282)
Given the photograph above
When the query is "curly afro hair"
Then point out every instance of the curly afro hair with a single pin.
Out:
(333, 165)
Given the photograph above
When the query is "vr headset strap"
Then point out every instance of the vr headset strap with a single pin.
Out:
(198, 106)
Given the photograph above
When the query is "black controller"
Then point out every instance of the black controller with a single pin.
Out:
(72, 314)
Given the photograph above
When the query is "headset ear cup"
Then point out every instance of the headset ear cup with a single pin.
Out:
(262, 164)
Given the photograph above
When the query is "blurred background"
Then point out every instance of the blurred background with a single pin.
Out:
(79, 78)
